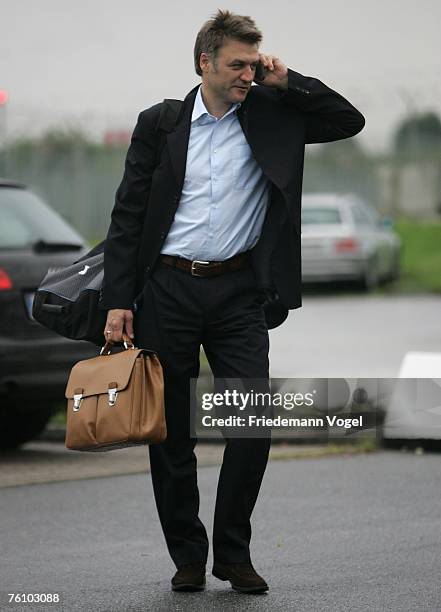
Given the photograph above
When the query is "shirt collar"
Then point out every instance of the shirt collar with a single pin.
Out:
(199, 108)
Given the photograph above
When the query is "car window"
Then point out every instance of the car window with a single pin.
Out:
(362, 217)
(25, 219)
(324, 215)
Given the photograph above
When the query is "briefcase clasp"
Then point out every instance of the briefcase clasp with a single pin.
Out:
(113, 393)
(77, 401)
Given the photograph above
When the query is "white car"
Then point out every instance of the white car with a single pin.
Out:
(343, 238)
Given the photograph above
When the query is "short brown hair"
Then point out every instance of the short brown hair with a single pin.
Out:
(223, 24)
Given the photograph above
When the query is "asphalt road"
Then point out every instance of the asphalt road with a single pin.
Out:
(354, 336)
(329, 534)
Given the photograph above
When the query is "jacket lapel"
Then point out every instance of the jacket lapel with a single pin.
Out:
(177, 140)
(263, 134)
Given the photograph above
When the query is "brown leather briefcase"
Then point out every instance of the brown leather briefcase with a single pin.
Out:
(115, 400)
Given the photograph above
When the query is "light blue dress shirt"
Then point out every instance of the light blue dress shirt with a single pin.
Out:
(225, 193)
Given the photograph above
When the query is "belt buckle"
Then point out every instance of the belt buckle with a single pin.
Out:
(193, 269)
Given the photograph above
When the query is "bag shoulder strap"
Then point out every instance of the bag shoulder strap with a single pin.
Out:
(170, 111)
(168, 117)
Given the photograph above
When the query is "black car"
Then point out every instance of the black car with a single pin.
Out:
(34, 361)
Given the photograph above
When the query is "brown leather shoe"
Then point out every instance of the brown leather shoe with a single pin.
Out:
(242, 576)
(189, 577)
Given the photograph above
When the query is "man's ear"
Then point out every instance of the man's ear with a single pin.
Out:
(203, 62)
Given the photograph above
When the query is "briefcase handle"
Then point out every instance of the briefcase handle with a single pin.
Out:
(107, 348)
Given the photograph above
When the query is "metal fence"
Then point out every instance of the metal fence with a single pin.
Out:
(79, 179)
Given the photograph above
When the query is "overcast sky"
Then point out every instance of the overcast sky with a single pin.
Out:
(96, 63)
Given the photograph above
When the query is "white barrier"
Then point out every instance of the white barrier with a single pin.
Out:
(414, 410)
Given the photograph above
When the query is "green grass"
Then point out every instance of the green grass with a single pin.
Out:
(421, 260)
(296, 451)
(421, 256)
(58, 419)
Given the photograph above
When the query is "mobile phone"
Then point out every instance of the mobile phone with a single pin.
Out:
(260, 73)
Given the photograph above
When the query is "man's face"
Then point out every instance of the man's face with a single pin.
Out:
(230, 76)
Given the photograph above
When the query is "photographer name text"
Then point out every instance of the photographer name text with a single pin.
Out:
(258, 421)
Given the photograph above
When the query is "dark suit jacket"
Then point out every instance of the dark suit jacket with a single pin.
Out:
(277, 124)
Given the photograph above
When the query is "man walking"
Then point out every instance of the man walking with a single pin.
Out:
(204, 247)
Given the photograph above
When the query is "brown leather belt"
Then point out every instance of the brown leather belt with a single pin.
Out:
(208, 268)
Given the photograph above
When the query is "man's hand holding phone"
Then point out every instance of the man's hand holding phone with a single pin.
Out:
(271, 72)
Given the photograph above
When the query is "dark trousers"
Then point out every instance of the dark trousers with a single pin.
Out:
(177, 314)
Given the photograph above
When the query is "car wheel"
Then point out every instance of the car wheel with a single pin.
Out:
(18, 426)
(371, 277)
